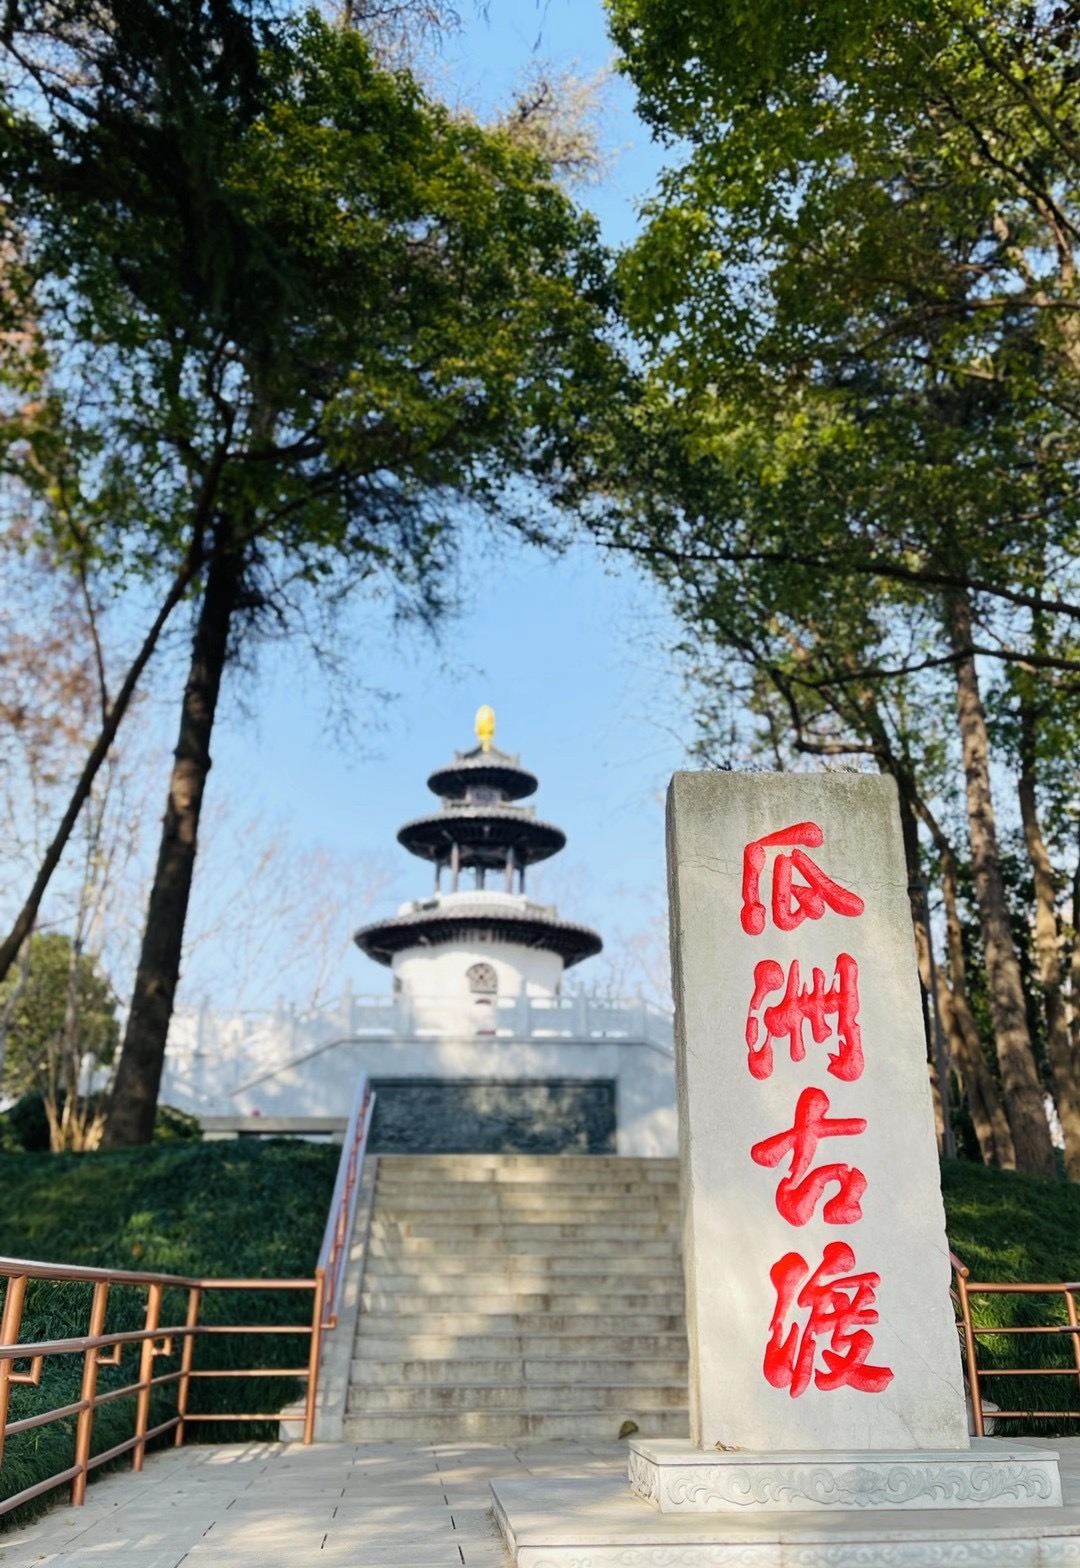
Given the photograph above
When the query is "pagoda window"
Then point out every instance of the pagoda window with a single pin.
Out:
(483, 980)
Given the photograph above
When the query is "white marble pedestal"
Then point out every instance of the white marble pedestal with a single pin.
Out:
(595, 1522)
(675, 1477)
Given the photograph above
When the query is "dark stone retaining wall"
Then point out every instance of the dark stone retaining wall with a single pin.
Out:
(479, 1116)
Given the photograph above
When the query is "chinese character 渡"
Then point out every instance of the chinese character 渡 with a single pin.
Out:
(840, 1310)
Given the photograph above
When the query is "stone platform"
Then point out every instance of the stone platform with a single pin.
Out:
(675, 1477)
(597, 1523)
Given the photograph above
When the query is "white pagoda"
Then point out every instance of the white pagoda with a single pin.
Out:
(481, 1046)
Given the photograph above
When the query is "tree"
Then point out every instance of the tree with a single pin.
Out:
(63, 1012)
(332, 317)
(858, 290)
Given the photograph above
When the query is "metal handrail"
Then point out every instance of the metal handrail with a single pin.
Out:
(961, 1294)
(342, 1217)
(155, 1340)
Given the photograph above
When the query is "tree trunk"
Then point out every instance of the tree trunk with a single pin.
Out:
(937, 1053)
(133, 1103)
(1019, 1074)
(984, 1102)
(24, 921)
(1059, 1044)
(1074, 965)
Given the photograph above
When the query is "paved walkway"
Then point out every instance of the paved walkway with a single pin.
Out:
(285, 1506)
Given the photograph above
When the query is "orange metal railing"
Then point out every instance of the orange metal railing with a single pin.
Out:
(964, 1289)
(156, 1339)
(177, 1341)
(342, 1217)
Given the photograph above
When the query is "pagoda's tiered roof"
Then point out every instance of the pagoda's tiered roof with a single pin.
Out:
(484, 834)
(492, 769)
(444, 920)
(480, 828)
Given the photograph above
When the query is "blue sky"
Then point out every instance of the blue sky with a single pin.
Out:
(571, 657)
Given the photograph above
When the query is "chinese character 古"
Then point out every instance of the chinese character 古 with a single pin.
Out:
(798, 1193)
(792, 902)
(840, 1312)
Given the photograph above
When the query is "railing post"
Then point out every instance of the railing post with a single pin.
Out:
(974, 1388)
(9, 1335)
(187, 1360)
(84, 1430)
(146, 1372)
(314, 1356)
(1074, 1324)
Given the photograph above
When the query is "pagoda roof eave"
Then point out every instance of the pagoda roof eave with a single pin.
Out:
(497, 769)
(428, 928)
(480, 829)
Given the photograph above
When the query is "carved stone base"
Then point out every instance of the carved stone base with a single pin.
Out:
(675, 1477)
(595, 1521)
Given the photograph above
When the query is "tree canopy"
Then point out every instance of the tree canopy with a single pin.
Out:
(857, 292)
(307, 322)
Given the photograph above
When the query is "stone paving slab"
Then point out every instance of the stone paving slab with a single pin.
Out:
(335, 1505)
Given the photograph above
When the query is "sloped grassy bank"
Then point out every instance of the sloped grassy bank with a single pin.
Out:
(237, 1208)
(1006, 1226)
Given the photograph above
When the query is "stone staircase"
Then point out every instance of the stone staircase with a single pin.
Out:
(512, 1296)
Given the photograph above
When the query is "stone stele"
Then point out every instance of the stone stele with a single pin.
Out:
(733, 1231)
(828, 1415)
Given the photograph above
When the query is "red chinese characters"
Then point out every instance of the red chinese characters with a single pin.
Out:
(806, 1004)
(831, 1345)
(798, 1193)
(792, 902)
(840, 1309)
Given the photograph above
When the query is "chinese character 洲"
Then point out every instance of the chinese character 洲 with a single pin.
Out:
(792, 902)
(840, 1308)
(798, 1193)
(799, 1005)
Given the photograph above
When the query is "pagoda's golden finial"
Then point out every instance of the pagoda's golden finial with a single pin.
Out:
(485, 726)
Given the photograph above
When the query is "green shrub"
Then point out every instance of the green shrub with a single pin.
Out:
(24, 1125)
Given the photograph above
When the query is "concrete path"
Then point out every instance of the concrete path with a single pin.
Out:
(246, 1505)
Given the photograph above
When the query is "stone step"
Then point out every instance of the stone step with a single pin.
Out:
(530, 1278)
(500, 1426)
(374, 1347)
(609, 1321)
(372, 1399)
(536, 1371)
(484, 1201)
(526, 1167)
(510, 1233)
(601, 1267)
(505, 1298)
(562, 1302)
(618, 1188)
(424, 1250)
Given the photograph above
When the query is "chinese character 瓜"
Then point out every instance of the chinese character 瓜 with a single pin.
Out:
(792, 902)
